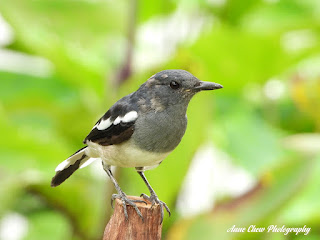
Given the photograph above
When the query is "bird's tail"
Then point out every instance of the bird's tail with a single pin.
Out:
(65, 169)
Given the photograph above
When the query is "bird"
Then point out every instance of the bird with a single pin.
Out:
(139, 131)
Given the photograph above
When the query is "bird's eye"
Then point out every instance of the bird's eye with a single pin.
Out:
(174, 85)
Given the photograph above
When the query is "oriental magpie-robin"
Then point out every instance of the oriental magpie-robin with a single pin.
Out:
(139, 131)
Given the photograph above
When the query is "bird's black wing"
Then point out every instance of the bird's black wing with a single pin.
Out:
(116, 126)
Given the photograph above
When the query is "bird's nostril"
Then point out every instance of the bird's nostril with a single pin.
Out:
(197, 84)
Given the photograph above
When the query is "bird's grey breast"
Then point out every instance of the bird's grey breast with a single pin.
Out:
(160, 131)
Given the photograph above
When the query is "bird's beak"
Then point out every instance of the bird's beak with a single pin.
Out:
(207, 86)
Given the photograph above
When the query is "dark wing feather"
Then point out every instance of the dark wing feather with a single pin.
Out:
(114, 134)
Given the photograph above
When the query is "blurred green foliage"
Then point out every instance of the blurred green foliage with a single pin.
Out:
(253, 48)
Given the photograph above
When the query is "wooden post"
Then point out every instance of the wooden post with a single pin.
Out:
(134, 228)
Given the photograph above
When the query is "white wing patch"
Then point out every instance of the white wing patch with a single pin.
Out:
(117, 121)
(129, 117)
(104, 124)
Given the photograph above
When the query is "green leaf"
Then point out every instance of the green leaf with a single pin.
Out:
(10, 190)
(259, 207)
(304, 207)
(82, 201)
(73, 43)
(250, 140)
(49, 225)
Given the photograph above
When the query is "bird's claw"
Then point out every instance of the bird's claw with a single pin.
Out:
(153, 199)
(126, 201)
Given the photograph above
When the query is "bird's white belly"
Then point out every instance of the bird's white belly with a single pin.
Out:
(125, 155)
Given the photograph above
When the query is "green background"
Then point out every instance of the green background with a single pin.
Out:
(76, 58)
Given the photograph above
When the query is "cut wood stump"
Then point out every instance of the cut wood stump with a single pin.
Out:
(134, 228)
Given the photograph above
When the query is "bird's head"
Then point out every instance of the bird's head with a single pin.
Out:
(171, 87)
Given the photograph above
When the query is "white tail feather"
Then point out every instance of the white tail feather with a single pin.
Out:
(72, 159)
(87, 162)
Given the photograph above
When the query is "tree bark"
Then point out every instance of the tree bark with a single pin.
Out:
(134, 228)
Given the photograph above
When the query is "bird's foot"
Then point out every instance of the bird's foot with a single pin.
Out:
(126, 201)
(155, 200)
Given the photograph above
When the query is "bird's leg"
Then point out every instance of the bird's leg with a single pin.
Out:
(153, 196)
(121, 195)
